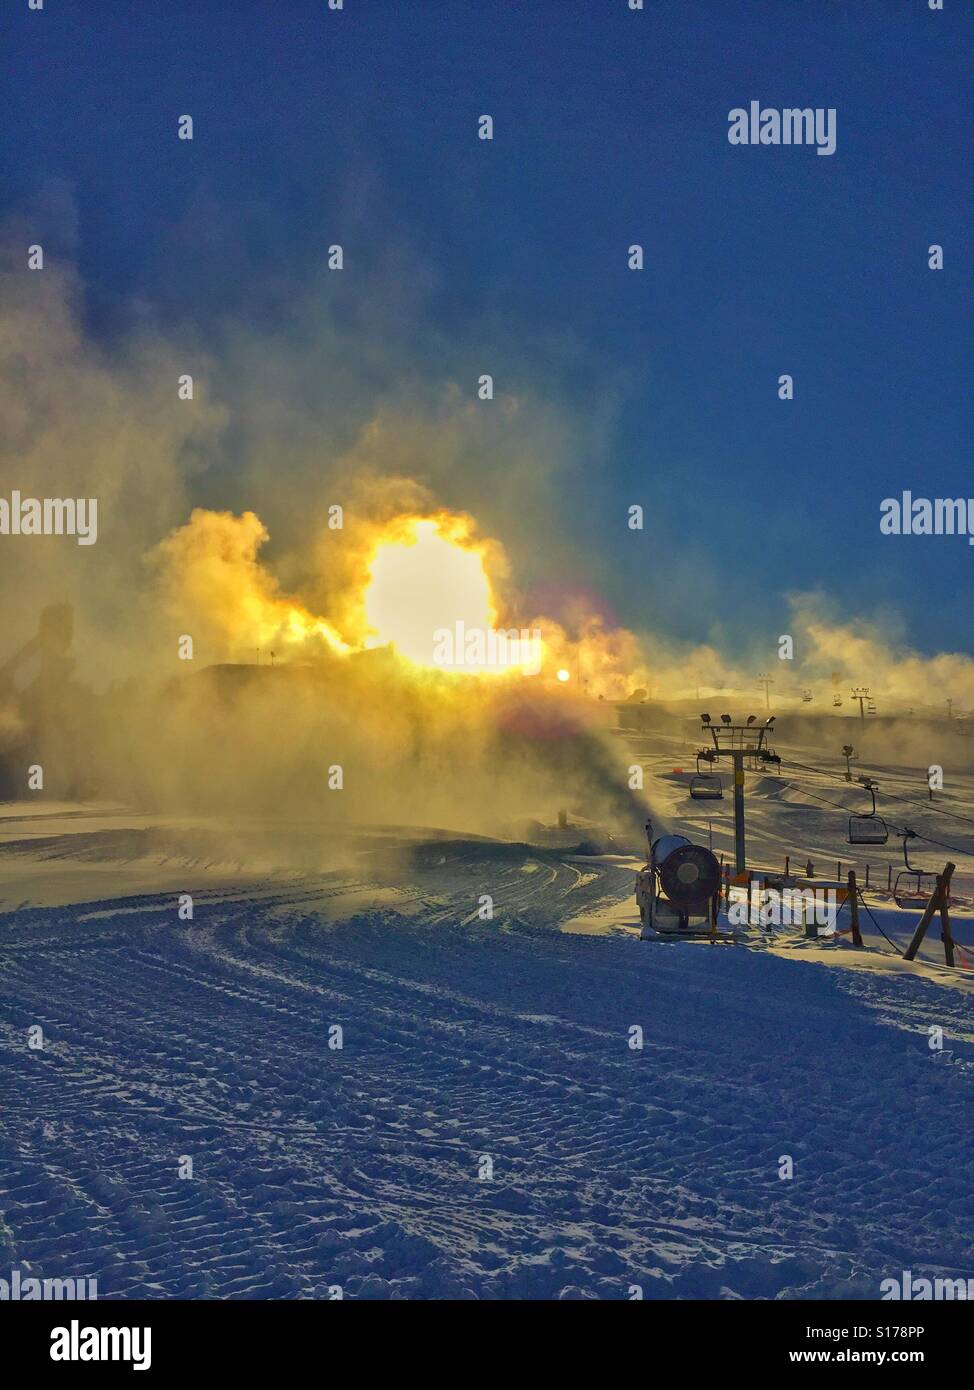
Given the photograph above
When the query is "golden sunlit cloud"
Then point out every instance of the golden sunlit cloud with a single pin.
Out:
(215, 579)
(429, 586)
(422, 585)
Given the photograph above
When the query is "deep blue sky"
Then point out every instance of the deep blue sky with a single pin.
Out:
(610, 128)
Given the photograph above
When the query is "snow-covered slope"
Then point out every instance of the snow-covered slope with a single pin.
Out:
(486, 1129)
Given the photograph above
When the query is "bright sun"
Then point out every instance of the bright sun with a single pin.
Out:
(421, 582)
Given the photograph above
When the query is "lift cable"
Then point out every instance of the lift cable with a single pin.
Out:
(900, 829)
(874, 922)
(892, 796)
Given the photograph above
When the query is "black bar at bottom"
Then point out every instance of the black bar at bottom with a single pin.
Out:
(255, 1337)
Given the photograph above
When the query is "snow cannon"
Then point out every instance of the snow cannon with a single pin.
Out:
(677, 892)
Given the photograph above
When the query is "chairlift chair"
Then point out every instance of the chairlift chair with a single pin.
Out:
(705, 756)
(903, 894)
(868, 829)
(836, 700)
(871, 707)
(707, 787)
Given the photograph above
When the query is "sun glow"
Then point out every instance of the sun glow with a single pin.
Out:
(425, 579)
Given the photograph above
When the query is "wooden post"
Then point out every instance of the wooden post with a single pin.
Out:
(945, 935)
(937, 898)
(787, 862)
(838, 868)
(854, 907)
(923, 923)
(867, 875)
(889, 878)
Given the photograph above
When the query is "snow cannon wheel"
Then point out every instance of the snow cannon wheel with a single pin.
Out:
(689, 876)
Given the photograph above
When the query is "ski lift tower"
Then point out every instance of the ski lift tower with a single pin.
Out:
(861, 693)
(738, 742)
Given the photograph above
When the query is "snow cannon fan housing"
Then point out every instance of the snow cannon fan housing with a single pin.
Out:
(689, 875)
(677, 890)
